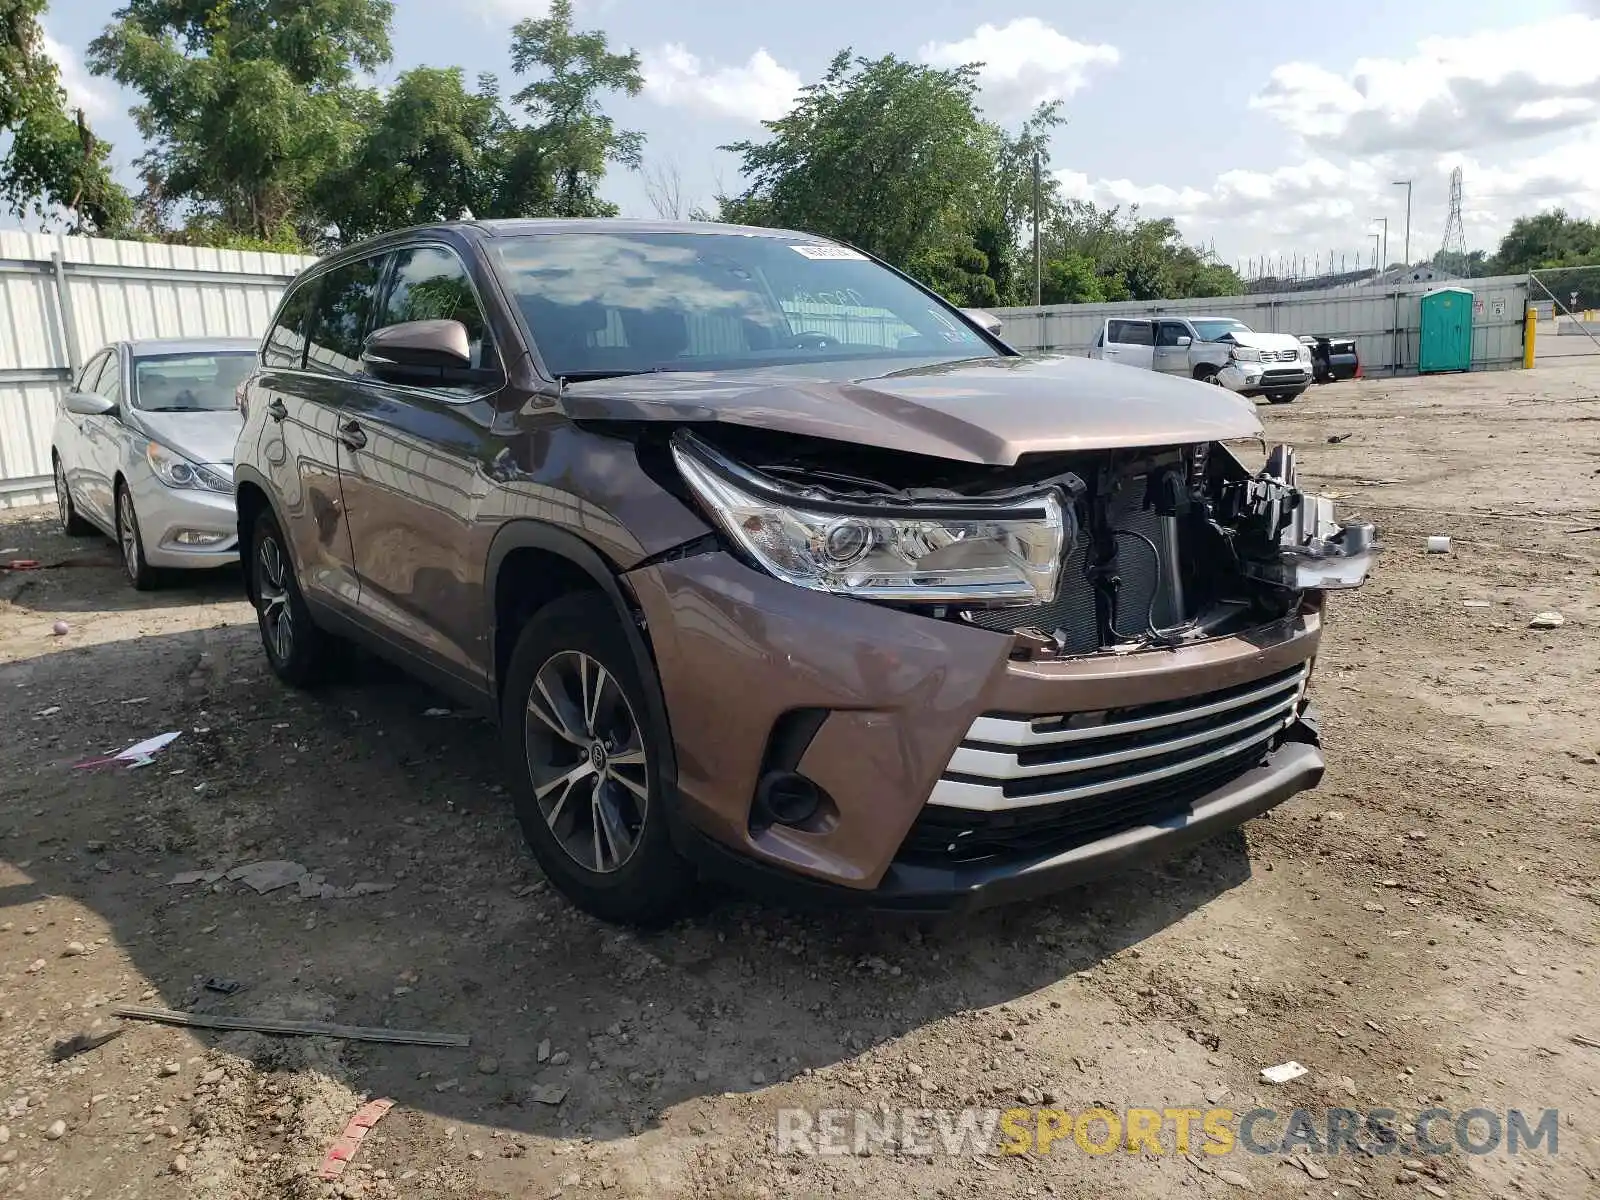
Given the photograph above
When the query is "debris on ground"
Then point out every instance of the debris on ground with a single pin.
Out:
(1284, 1072)
(274, 874)
(1438, 544)
(349, 1033)
(1340, 437)
(81, 1043)
(1547, 620)
(1580, 1040)
(547, 1093)
(225, 986)
(347, 1143)
(60, 629)
(140, 754)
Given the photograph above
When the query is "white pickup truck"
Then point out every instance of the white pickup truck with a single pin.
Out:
(1211, 349)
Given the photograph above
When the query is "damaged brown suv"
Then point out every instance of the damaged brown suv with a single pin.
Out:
(769, 562)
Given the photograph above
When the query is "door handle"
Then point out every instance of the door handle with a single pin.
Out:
(352, 435)
(277, 409)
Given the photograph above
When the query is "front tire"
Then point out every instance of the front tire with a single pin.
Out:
(139, 572)
(297, 651)
(1283, 397)
(1206, 374)
(585, 758)
(72, 523)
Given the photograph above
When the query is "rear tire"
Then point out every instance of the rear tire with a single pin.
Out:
(585, 758)
(1282, 397)
(297, 651)
(139, 572)
(72, 523)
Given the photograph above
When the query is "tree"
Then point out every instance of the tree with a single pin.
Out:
(887, 155)
(53, 162)
(246, 102)
(573, 139)
(1549, 239)
(432, 151)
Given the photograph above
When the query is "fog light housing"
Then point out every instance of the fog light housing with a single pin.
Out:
(198, 537)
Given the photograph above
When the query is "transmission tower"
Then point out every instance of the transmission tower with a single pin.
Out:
(1453, 250)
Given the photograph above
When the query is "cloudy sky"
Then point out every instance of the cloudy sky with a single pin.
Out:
(1263, 127)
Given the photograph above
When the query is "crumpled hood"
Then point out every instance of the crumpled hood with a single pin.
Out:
(202, 437)
(1267, 341)
(991, 410)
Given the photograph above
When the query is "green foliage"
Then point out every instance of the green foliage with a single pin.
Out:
(53, 161)
(1548, 239)
(246, 103)
(886, 155)
(1133, 258)
(573, 139)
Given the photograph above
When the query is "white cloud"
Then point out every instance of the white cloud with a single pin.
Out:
(511, 10)
(760, 90)
(1492, 87)
(83, 90)
(1025, 63)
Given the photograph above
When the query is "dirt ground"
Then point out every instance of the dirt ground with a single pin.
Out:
(1421, 931)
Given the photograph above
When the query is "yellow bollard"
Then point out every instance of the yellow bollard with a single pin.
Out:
(1530, 329)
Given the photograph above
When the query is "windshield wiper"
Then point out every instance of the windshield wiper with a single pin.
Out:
(587, 376)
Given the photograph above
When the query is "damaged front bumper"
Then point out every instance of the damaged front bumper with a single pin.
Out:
(1316, 552)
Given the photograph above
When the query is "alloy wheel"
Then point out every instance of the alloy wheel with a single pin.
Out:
(272, 590)
(128, 533)
(586, 761)
(63, 500)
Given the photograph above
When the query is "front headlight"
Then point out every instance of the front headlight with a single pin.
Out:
(176, 471)
(1245, 354)
(959, 551)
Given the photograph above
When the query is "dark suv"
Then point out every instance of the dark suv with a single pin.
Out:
(768, 560)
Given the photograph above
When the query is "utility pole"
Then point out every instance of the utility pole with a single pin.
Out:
(1038, 262)
(1384, 221)
(1374, 237)
(1406, 183)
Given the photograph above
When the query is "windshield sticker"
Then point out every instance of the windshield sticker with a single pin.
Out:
(819, 253)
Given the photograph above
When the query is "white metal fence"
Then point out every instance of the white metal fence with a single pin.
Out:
(62, 298)
(1385, 320)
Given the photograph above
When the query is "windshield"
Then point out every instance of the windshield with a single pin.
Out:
(189, 382)
(1215, 331)
(602, 304)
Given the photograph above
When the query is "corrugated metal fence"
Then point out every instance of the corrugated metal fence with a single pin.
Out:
(1385, 321)
(62, 298)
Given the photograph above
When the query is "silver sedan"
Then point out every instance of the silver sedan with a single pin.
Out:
(143, 451)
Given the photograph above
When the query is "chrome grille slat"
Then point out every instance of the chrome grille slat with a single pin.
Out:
(994, 764)
(1013, 732)
(1050, 767)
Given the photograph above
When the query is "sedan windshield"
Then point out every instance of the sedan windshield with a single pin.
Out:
(1215, 331)
(600, 304)
(189, 382)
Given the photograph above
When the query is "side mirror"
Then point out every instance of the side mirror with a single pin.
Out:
(1184, 341)
(88, 404)
(983, 319)
(423, 354)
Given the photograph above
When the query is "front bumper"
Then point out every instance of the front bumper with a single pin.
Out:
(905, 708)
(1258, 379)
(164, 513)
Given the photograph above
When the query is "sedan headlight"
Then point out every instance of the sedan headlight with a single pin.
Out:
(176, 471)
(1245, 354)
(1004, 550)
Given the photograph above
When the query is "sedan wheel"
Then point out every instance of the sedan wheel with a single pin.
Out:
(72, 524)
(586, 760)
(140, 573)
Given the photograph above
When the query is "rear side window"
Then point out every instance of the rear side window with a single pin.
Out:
(430, 283)
(286, 340)
(341, 316)
(1131, 333)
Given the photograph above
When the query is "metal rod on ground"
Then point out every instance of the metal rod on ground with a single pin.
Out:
(348, 1033)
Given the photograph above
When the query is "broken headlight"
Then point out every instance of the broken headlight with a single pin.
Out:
(994, 550)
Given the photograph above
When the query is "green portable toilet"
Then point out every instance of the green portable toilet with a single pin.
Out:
(1446, 343)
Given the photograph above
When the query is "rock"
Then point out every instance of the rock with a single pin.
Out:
(758, 1076)
(1404, 1176)
(1418, 835)
(1029, 1096)
(1314, 1169)
(1547, 620)
(7, 1157)
(5, 1134)
(74, 949)
(542, 1054)
(36, 966)
(172, 1068)
(1414, 1164)
(560, 1058)
(571, 1179)
(1214, 1095)
(1234, 1179)
(475, 1155)
(488, 1066)
(180, 1165)
(57, 1131)
(1374, 907)
(213, 1077)
(1433, 1189)
(547, 1093)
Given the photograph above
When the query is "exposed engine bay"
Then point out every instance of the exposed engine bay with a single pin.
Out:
(1151, 547)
